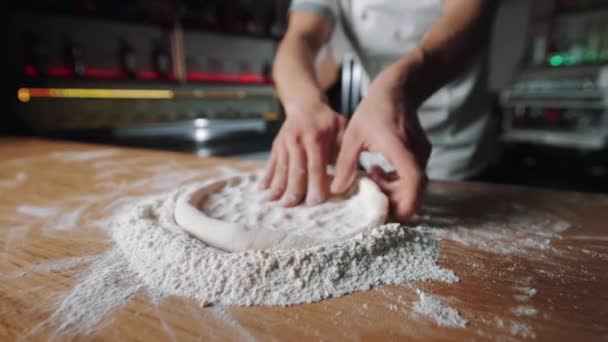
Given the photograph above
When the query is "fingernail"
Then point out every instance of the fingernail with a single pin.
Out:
(313, 198)
(288, 199)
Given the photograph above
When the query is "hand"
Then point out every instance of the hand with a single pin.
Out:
(385, 123)
(305, 144)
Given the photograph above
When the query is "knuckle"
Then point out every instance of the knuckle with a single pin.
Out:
(316, 137)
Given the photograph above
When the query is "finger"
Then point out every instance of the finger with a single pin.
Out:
(402, 159)
(296, 181)
(268, 171)
(279, 178)
(379, 177)
(318, 187)
(407, 190)
(341, 124)
(346, 163)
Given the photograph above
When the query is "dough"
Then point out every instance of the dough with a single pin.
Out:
(230, 214)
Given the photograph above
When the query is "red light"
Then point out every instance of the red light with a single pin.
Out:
(148, 75)
(251, 78)
(104, 73)
(59, 71)
(245, 78)
(551, 115)
(197, 76)
(30, 70)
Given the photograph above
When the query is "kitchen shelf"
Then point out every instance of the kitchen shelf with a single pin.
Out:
(152, 23)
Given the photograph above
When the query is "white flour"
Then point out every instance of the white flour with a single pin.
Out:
(524, 310)
(170, 262)
(432, 307)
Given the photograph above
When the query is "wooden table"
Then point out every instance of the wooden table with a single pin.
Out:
(543, 286)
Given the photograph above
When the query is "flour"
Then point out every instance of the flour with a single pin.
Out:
(55, 265)
(14, 182)
(524, 310)
(107, 285)
(521, 330)
(37, 211)
(508, 229)
(525, 293)
(169, 261)
(120, 180)
(432, 307)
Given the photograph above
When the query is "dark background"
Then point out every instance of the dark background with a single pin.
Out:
(91, 70)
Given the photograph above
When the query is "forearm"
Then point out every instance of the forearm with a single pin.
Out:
(448, 49)
(294, 72)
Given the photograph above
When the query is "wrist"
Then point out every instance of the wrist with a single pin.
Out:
(305, 105)
(406, 77)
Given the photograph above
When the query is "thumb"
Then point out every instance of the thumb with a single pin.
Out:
(346, 163)
(402, 158)
(411, 179)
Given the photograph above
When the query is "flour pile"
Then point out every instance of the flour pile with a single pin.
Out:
(169, 262)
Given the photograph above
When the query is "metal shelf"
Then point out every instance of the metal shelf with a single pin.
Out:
(587, 141)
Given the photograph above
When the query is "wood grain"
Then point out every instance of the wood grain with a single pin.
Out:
(55, 196)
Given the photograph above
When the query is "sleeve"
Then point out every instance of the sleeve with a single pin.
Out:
(325, 8)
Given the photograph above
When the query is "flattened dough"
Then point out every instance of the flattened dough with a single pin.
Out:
(230, 214)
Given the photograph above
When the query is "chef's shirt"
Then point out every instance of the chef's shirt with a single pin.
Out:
(456, 118)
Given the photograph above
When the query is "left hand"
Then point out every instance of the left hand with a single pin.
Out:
(385, 123)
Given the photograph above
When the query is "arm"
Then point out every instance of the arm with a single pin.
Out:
(308, 139)
(448, 49)
(306, 34)
(386, 121)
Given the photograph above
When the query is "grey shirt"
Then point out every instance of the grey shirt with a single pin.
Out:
(456, 118)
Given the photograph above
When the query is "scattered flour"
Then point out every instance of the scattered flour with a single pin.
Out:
(169, 261)
(20, 178)
(81, 156)
(521, 330)
(401, 254)
(524, 293)
(508, 229)
(55, 265)
(524, 310)
(432, 307)
(38, 211)
(107, 285)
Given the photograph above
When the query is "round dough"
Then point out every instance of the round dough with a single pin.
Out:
(231, 215)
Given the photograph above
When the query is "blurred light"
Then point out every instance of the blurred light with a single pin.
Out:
(30, 70)
(571, 60)
(23, 95)
(60, 72)
(245, 78)
(201, 134)
(104, 73)
(201, 122)
(271, 116)
(251, 78)
(556, 60)
(551, 115)
(81, 93)
(148, 75)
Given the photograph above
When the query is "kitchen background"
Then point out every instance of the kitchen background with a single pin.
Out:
(195, 76)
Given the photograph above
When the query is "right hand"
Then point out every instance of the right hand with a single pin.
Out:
(306, 143)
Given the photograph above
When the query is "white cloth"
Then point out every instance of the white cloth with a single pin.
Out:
(456, 118)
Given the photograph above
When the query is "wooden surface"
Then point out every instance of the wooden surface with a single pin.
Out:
(52, 194)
